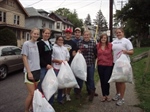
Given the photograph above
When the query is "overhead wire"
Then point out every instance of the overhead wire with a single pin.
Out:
(35, 3)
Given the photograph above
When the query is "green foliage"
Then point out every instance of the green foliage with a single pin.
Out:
(7, 37)
(101, 22)
(72, 16)
(88, 20)
(135, 16)
(142, 88)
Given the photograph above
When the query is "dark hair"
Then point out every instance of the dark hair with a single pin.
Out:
(101, 36)
(60, 36)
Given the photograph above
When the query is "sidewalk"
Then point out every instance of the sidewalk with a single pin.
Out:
(129, 105)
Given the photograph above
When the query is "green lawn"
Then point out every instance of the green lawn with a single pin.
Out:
(142, 88)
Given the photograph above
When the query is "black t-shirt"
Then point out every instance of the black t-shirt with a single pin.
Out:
(71, 46)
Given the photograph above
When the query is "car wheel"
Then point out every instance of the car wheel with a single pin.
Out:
(3, 72)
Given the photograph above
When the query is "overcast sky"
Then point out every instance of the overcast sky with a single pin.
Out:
(83, 7)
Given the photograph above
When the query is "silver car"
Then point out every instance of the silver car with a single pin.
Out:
(10, 60)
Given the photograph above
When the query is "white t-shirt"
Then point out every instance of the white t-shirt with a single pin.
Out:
(60, 53)
(119, 45)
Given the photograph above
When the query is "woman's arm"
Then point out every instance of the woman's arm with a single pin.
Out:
(129, 52)
(25, 61)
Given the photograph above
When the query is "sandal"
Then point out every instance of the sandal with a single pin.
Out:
(103, 99)
(108, 98)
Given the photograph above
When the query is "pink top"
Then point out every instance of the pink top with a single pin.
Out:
(104, 57)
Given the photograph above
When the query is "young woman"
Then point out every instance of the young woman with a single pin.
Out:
(60, 54)
(88, 48)
(105, 63)
(45, 52)
(121, 45)
(30, 55)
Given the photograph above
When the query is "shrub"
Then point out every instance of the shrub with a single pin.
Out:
(7, 37)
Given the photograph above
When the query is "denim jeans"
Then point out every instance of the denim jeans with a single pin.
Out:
(90, 78)
(104, 75)
(42, 75)
(60, 91)
(80, 83)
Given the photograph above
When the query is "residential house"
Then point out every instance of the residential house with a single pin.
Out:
(39, 18)
(61, 23)
(12, 16)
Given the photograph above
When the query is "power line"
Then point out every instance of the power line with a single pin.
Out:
(87, 4)
(35, 3)
(61, 3)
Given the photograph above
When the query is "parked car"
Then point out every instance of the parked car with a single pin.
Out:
(10, 60)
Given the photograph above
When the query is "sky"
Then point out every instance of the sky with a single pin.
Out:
(82, 7)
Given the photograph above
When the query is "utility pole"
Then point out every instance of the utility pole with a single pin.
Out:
(111, 19)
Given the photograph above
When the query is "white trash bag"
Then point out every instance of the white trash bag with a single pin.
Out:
(40, 104)
(79, 66)
(49, 84)
(122, 71)
(66, 78)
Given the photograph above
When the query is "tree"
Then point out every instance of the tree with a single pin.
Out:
(7, 37)
(100, 21)
(72, 16)
(88, 20)
(136, 17)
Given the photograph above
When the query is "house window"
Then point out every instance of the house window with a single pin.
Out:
(2, 16)
(64, 27)
(43, 24)
(50, 25)
(16, 19)
(58, 26)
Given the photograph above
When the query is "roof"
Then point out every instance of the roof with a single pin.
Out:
(34, 12)
(63, 19)
(41, 10)
(22, 7)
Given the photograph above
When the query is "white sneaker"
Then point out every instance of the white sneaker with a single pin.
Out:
(68, 98)
(120, 102)
(116, 97)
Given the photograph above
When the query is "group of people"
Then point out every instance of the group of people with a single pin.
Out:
(40, 56)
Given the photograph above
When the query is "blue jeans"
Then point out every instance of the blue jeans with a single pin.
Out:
(80, 83)
(60, 91)
(90, 78)
(42, 75)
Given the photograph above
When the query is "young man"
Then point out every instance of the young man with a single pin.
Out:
(71, 46)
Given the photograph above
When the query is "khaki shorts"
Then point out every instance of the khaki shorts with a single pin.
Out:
(26, 80)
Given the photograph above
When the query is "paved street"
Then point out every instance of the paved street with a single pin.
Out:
(12, 93)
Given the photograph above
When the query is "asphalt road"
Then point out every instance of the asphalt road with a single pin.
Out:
(13, 93)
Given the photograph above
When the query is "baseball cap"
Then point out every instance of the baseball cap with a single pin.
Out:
(77, 29)
(68, 30)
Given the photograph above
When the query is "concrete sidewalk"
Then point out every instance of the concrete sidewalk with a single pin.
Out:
(129, 105)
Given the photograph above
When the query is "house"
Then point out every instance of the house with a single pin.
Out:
(39, 18)
(61, 23)
(12, 16)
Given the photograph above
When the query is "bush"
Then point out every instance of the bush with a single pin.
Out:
(7, 37)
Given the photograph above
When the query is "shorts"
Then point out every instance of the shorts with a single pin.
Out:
(26, 80)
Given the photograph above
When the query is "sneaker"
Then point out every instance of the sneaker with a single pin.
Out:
(116, 97)
(68, 98)
(120, 102)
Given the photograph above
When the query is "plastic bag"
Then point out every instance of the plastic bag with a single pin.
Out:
(66, 77)
(79, 66)
(40, 104)
(122, 71)
(49, 84)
